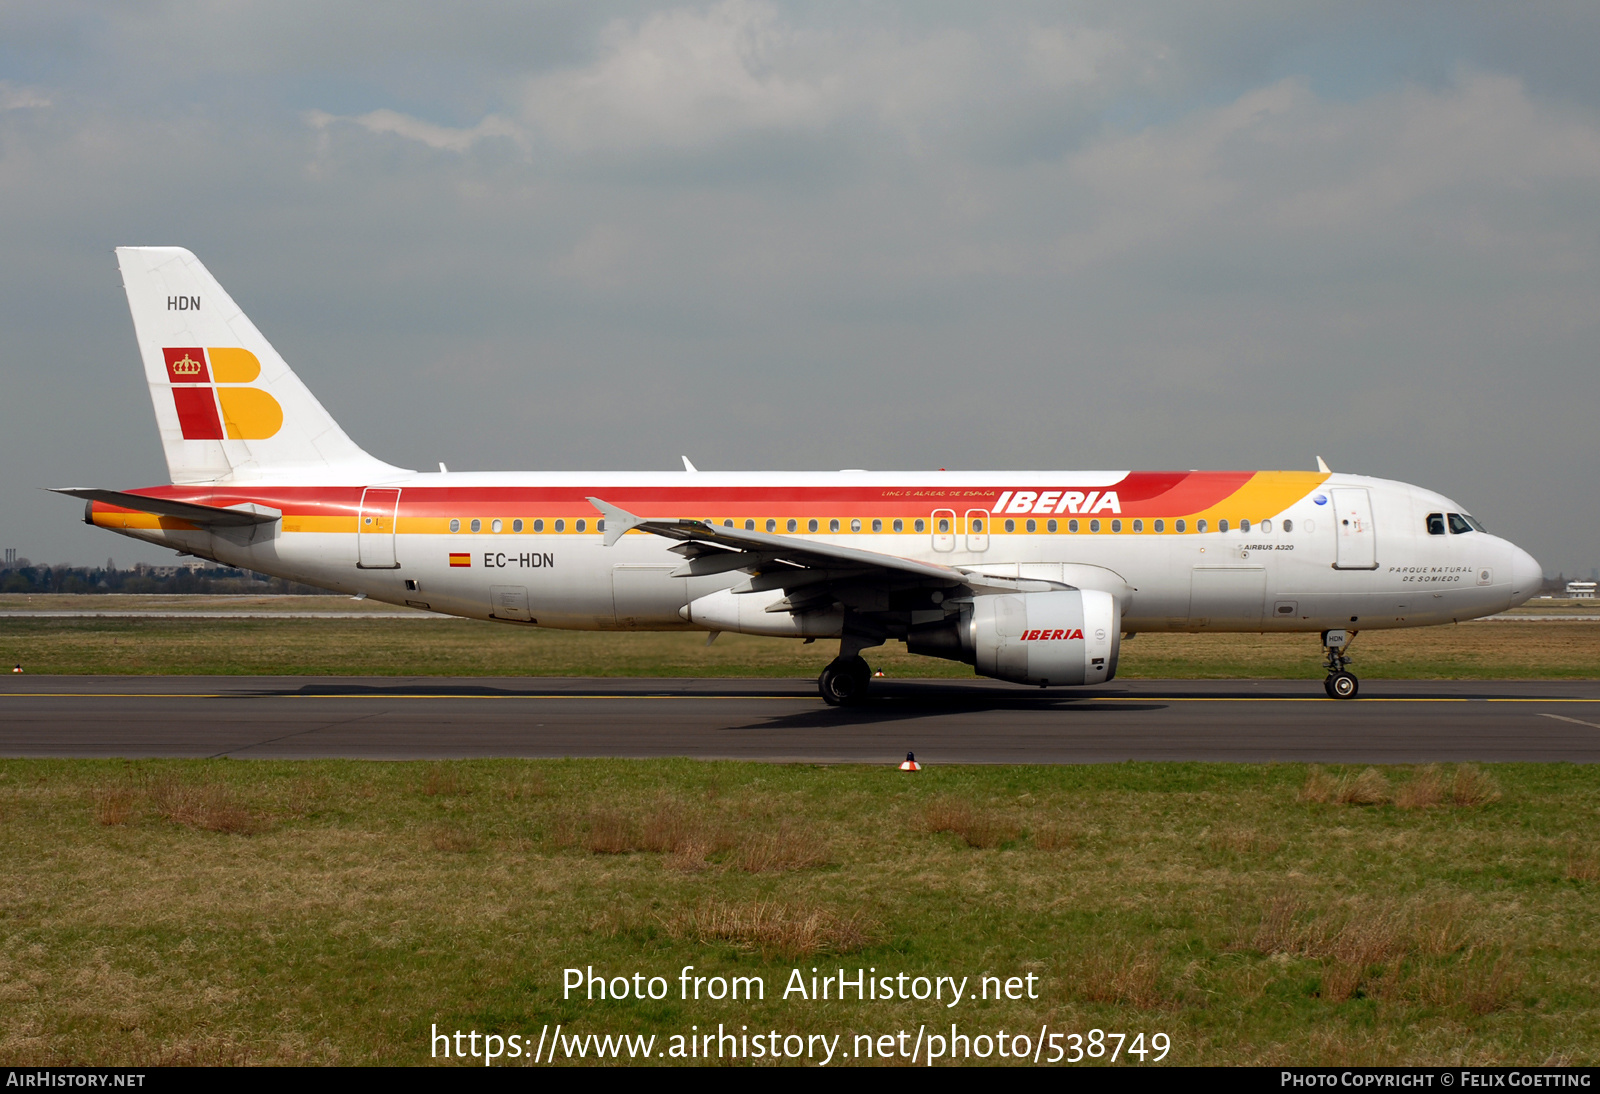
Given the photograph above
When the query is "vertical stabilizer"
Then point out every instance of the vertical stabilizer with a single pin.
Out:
(228, 407)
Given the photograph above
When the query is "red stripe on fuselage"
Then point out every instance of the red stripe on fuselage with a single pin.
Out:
(1139, 493)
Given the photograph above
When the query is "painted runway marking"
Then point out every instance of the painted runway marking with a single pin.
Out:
(1574, 721)
(797, 698)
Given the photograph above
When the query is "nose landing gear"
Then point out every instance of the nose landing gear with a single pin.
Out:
(1341, 683)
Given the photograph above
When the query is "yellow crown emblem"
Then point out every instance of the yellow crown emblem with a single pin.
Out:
(186, 366)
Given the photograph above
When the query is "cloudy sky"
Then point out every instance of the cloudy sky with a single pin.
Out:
(771, 235)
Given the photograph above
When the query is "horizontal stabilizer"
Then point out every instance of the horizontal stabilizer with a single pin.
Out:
(238, 516)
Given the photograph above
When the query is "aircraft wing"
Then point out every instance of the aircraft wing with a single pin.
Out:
(812, 574)
(216, 515)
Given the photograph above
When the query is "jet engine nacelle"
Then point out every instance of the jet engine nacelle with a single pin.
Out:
(1067, 637)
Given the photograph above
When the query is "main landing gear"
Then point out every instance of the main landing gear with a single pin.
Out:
(1341, 683)
(844, 681)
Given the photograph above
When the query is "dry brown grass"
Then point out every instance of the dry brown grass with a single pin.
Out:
(1129, 977)
(981, 828)
(440, 781)
(207, 806)
(452, 840)
(114, 805)
(1243, 841)
(1056, 837)
(777, 852)
(1371, 787)
(1583, 864)
(1425, 790)
(1473, 787)
(1365, 947)
(671, 828)
(773, 927)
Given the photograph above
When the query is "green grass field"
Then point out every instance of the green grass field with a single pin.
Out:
(445, 647)
(334, 912)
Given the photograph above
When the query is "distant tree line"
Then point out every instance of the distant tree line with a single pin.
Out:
(24, 577)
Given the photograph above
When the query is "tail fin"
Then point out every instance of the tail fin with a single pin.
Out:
(228, 407)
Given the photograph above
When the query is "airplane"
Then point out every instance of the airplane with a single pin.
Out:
(1034, 577)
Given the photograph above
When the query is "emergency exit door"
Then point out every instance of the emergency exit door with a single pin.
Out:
(375, 530)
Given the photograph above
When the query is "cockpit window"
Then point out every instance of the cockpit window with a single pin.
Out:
(1459, 524)
(1477, 525)
(1436, 524)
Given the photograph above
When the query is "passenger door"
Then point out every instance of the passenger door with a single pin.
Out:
(1357, 543)
(375, 530)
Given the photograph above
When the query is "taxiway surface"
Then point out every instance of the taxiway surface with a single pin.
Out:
(944, 721)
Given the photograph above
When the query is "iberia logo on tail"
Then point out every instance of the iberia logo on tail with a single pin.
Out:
(214, 403)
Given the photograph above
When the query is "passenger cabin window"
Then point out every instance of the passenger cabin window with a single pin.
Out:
(811, 525)
(455, 525)
(1266, 526)
(772, 525)
(877, 525)
(1161, 526)
(1244, 526)
(1072, 526)
(855, 525)
(944, 525)
(477, 525)
(1436, 524)
(725, 524)
(1094, 526)
(1011, 526)
(1138, 526)
(919, 525)
(899, 525)
(1288, 525)
(561, 526)
(833, 525)
(793, 525)
(977, 526)
(516, 525)
(1116, 526)
(578, 527)
(495, 525)
(1050, 526)
(1459, 524)
(1199, 526)
(538, 525)
(1033, 526)
(749, 525)
(1222, 525)
(1181, 526)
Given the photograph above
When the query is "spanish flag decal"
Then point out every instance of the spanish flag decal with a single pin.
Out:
(460, 558)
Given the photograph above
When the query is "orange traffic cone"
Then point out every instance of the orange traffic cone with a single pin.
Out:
(17, 669)
(911, 763)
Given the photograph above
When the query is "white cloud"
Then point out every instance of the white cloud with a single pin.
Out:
(441, 137)
(21, 98)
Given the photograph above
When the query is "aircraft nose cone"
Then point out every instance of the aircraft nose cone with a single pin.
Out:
(1526, 576)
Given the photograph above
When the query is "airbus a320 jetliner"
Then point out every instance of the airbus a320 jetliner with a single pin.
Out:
(1029, 576)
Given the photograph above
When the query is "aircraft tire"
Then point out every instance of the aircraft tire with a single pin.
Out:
(1342, 685)
(844, 681)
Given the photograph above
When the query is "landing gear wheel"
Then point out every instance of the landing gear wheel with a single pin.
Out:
(844, 681)
(1341, 685)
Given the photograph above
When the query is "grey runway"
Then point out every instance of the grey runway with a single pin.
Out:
(944, 721)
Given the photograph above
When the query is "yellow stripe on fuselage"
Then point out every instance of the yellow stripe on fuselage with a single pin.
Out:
(1266, 494)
